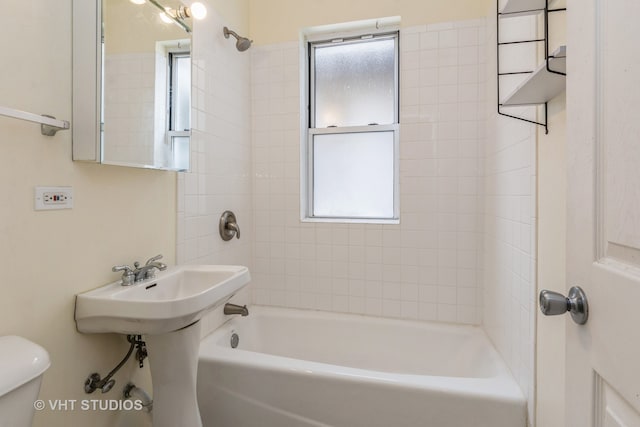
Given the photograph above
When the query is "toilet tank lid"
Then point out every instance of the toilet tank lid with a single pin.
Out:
(20, 361)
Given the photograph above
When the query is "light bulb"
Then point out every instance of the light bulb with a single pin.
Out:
(165, 18)
(138, 1)
(198, 10)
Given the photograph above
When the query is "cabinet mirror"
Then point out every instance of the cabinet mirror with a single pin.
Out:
(132, 83)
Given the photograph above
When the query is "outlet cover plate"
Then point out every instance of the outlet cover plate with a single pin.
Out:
(47, 198)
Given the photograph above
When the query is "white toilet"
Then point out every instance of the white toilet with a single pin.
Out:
(22, 364)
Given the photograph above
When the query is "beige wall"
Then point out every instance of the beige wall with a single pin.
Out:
(120, 215)
(235, 13)
(276, 21)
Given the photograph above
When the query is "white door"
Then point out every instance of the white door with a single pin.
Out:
(603, 221)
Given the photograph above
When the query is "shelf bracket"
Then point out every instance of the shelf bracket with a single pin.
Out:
(544, 124)
(547, 55)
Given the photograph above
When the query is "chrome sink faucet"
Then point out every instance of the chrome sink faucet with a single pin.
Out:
(148, 270)
(138, 274)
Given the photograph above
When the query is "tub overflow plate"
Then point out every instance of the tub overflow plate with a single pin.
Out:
(235, 339)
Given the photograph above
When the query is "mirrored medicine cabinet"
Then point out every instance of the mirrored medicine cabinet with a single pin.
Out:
(131, 84)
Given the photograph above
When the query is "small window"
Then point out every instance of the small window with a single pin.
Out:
(179, 108)
(179, 91)
(351, 148)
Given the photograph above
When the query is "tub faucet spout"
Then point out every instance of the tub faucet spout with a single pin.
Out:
(236, 309)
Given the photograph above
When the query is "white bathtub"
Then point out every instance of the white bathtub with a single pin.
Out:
(297, 368)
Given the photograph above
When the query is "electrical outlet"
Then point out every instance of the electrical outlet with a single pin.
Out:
(53, 198)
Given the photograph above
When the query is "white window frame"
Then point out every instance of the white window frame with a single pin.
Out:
(308, 132)
(164, 143)
(172, 55)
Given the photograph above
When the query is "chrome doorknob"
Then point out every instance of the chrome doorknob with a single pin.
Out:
(553, 303)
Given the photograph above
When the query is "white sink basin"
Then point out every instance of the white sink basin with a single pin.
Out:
(174, 299)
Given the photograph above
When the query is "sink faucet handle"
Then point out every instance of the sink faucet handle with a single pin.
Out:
(154, 259)
(124, 268)
(128, 274)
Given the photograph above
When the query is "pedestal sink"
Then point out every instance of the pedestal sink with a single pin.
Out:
(166, 310)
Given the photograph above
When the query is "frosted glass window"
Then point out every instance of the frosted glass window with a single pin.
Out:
(353, 175)
(180, 92)
(351, 168)
(354, 83)
(180, 152)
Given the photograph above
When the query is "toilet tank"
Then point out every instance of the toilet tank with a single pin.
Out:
(22, 364)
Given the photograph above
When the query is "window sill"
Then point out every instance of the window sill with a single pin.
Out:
(354, 220)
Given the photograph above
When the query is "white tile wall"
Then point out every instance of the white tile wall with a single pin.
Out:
(220, 175)
(428, 266)
(129, 106)
(510, 219)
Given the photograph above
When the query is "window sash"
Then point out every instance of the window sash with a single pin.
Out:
(350, 40)
(172, 96)
(309, 162)
(178, 162)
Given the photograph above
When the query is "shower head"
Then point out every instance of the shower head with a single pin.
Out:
(242, 43)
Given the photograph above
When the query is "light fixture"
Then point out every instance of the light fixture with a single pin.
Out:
(197, 10)
(138, 1)
(182, 12)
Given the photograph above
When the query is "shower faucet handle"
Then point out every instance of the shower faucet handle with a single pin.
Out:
(228, 226)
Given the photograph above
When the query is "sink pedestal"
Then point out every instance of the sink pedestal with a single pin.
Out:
(173, 359)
